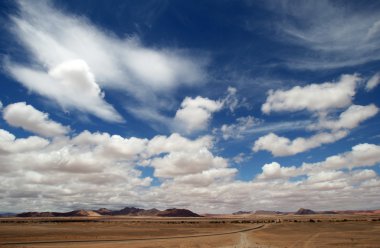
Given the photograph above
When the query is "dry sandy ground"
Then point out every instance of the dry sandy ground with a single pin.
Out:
(180, 233)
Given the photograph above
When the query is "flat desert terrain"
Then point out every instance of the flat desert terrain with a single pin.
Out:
(248, 231)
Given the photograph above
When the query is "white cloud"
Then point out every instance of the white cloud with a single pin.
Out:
(361, 155)
(334, 34)
(282, 146)
(313, 97)
(195, 113)
(185, 163)
(176, 143)
(71, 84)
(27, 117)
(207, 177)
(78, 172)
(274, 170)
(231, 100)
(321, 100)
(52, 37)
(89, 164)
(9, 144)
(373, 81)
(238, 130)
(349, 119)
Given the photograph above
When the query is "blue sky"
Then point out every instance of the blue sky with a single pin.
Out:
(215, 106)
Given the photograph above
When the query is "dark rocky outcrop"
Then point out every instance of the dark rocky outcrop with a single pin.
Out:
(304, 211)
(174, 212)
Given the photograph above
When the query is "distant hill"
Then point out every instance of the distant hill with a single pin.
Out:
(174, 212)
(266, 212)
(128, 211)
(75, 213)
(132, 211)
(304, 211)
(242, 212)
(7, 214)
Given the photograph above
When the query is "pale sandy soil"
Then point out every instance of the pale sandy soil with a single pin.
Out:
(170, 233)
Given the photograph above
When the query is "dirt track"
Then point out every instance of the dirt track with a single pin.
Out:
(244, 242)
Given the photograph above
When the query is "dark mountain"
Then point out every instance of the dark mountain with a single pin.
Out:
(242, 212)
(103, 211)
(132, 211)
(266, 212)
(174, 212)
(303, 211)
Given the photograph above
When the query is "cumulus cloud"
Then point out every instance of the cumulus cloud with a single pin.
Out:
(9, 144)
(208, 177)
(282, 146)
(185, 163)
(349, 119)
(195, 113)
(373, 82)
(274, 170)
(313, 97)
(54, 39)
(321, 100)
(27, 117)
(361, 155)
(82, 169)
(87, 165)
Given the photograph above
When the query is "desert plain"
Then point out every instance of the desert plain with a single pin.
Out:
(351, 230)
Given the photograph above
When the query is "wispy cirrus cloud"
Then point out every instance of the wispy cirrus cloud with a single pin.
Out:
(52, 37)
(335, 34)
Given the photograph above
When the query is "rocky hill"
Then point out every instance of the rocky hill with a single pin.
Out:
(304, 211)
(128, 211)
(75, 213)
(174, 212)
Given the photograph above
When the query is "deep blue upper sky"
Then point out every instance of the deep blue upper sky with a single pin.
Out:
(255, 89)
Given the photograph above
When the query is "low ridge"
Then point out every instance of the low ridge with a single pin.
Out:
(129, 211)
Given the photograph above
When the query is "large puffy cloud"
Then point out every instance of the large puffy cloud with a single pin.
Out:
(313, 97)
(93, 169)
(103, 166)
(175, 156)
(27, 117)
(195, 113)
(185, 163)
(282, 146)
(55, 39)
